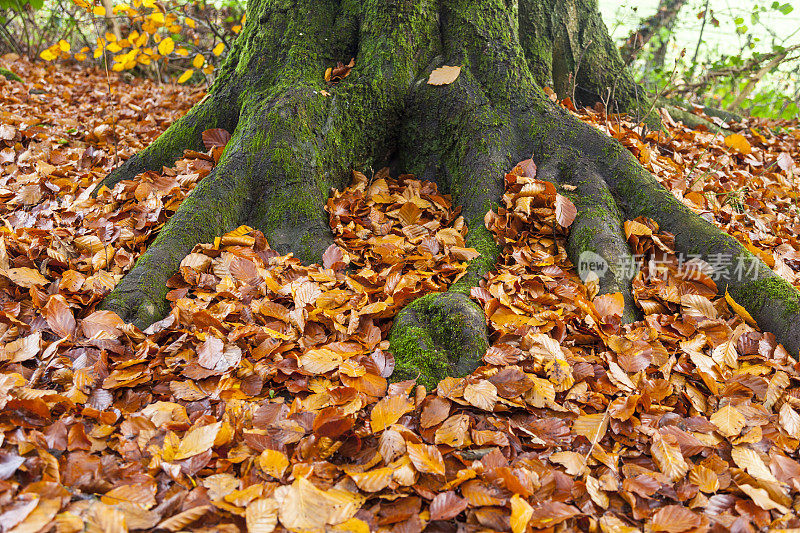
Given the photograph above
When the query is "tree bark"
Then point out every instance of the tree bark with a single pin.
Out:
(291, 143)
(664, 17)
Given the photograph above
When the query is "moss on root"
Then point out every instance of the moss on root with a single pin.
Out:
(482, 240)
(753, 294)
(9, 75)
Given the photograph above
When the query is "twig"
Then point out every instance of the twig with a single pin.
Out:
(661, 92)
(700, 36)
(597, 437)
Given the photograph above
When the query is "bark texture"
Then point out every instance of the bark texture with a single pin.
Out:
(291, 144)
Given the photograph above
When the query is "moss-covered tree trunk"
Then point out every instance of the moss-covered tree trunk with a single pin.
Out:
(292, 142)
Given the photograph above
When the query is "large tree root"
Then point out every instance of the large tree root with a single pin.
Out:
(291, 143)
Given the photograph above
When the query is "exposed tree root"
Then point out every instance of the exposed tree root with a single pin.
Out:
(291, 143)
(436, 336)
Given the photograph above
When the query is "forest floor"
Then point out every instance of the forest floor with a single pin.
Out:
(261, 401)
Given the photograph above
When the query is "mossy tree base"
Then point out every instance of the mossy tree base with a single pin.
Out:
(294, 137)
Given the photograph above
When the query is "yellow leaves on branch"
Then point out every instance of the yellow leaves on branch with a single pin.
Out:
(166, 46)
(152, 38)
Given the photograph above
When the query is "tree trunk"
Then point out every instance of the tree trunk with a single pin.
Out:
(295, 137)
(664, 17)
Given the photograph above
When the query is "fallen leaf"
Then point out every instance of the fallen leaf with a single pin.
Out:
(444, 75)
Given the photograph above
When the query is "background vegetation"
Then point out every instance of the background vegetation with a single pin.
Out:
(741, 57)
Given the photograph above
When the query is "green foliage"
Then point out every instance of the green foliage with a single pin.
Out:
(19, 5)
(758, 77)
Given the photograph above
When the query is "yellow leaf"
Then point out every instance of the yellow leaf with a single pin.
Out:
(426, 458)
(454, 431)
(521, 512)
(320, 360)
(99, 11)
(301, 505)
(762, 498)
(197, 441)
(669, 458)
(198, 61)
(573, 462)
(181, 520)
(63, 45)
(749, 460)
(729, 421)
(738, 309)
(185, 76)
(157, 18)
(705, 478)
(738, 143)
(110, 37)
(388, 411)
(593, 426)
(190, 22)
(261, 516)
(444, 75)
(218, 49)
(633, 227)
(374, 480)
(273, 463)
(166, 46)
(48, 55)
(482, 394)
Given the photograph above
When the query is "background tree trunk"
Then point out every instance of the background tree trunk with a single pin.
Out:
(664, 18)
(295, 137)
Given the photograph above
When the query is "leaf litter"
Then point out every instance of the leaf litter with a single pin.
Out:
(261, 402)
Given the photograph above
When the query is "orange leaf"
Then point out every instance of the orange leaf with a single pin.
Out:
(426, 458)
(59, 316)
(388, 411)
(738, 143)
